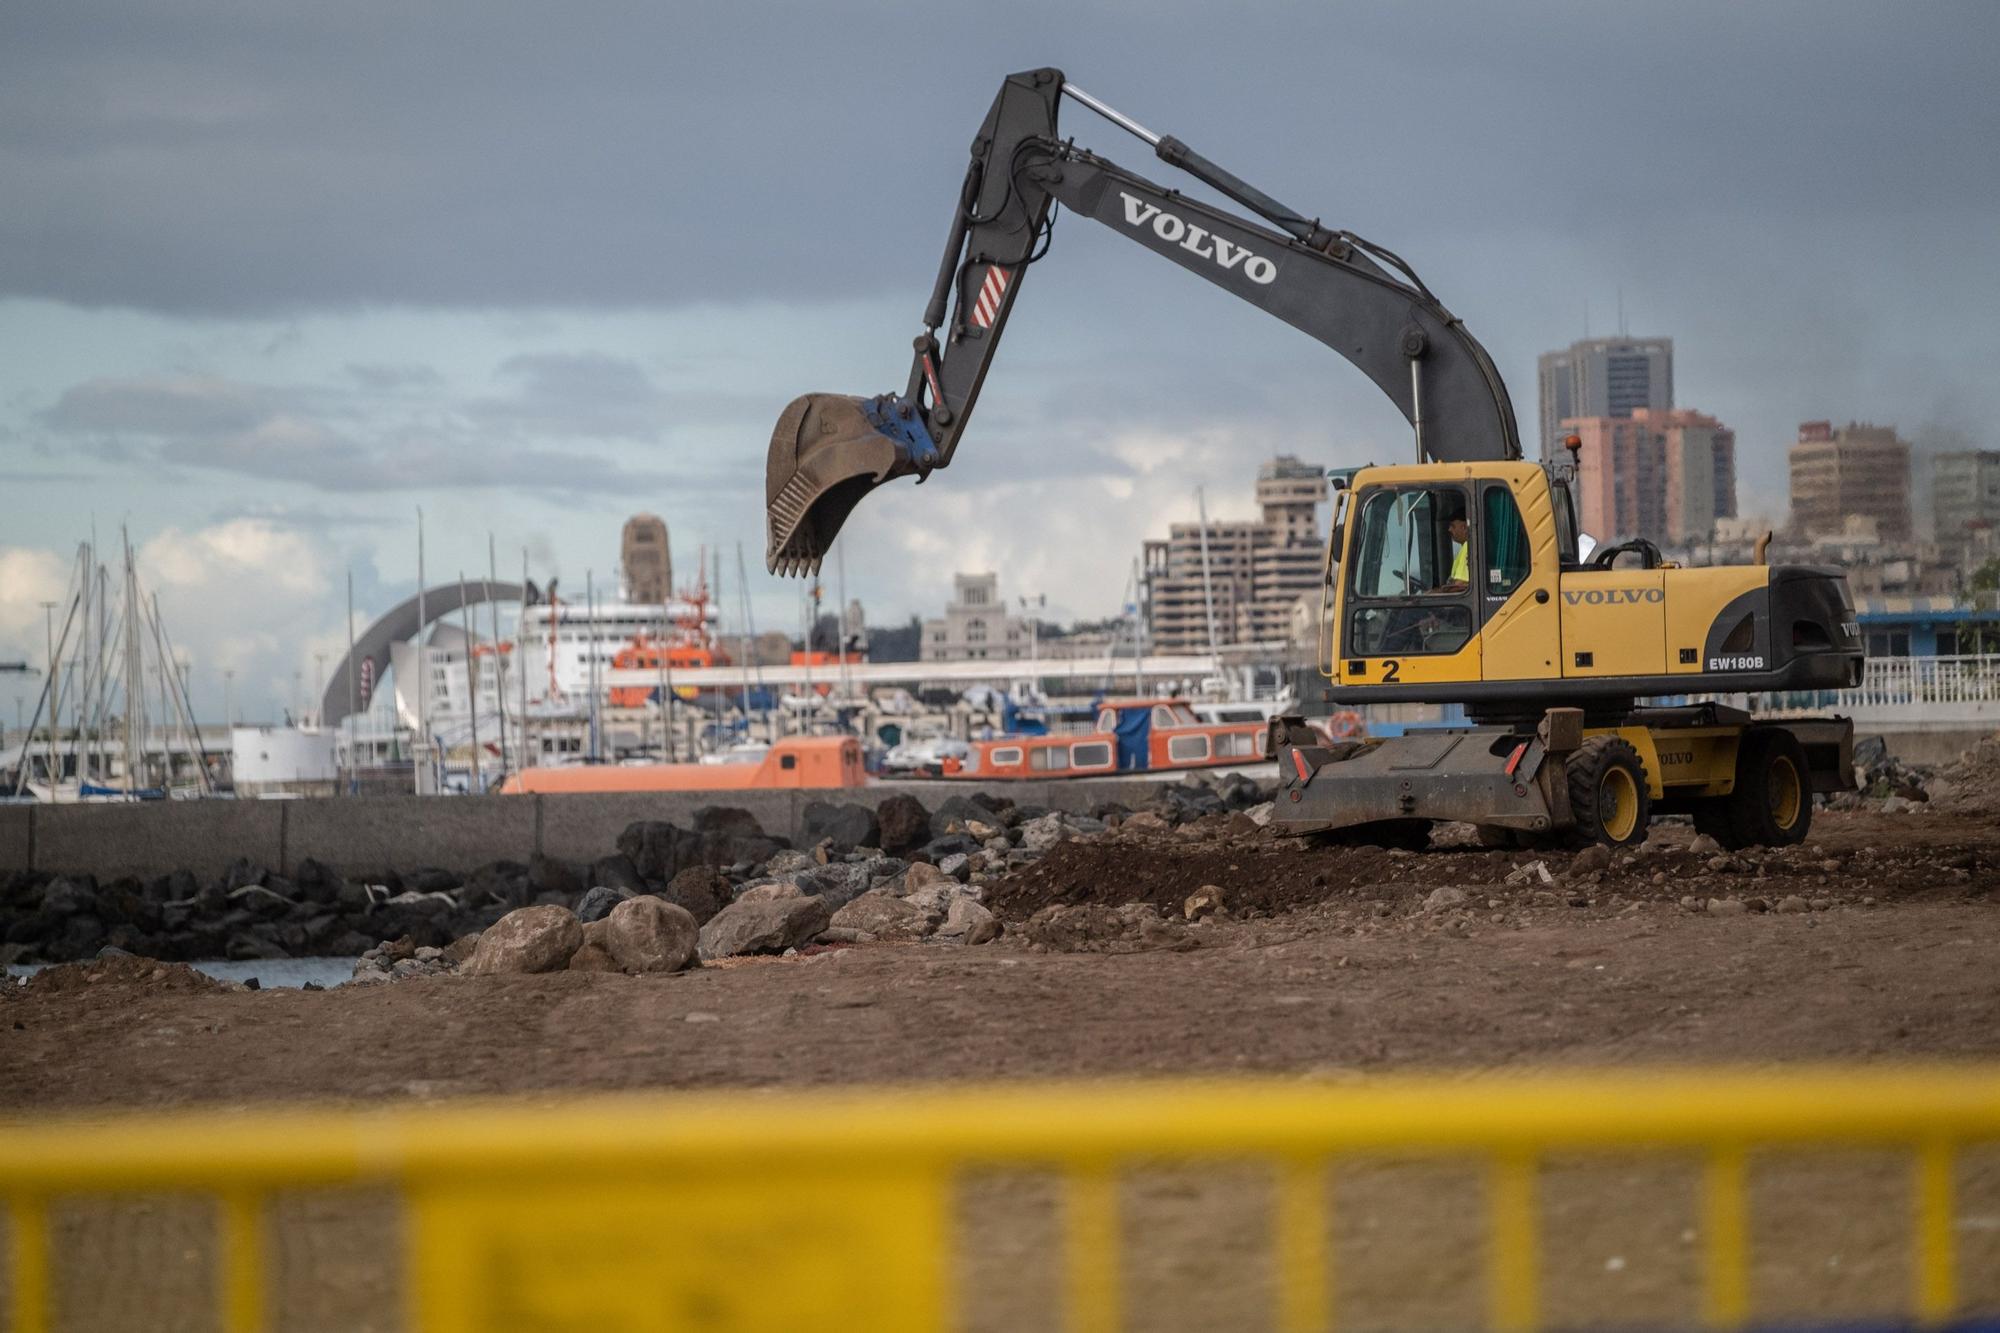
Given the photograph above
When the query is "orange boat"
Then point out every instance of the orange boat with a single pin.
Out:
(646, 653)
(688, 645)
(796, 761)
(1132, 736)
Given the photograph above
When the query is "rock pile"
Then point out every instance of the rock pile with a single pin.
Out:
(1972, 781)
(898, 870)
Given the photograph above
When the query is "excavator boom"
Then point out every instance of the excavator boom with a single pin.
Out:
(830, 450)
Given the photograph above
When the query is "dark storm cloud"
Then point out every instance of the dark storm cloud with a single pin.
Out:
(236, 156)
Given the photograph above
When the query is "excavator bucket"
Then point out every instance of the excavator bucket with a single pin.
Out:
(828, 451)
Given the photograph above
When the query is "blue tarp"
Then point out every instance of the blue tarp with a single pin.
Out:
(1135, 734)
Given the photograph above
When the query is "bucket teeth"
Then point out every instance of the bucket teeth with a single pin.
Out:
(825, 455)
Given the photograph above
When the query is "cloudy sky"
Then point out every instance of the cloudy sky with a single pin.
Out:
(273, 275)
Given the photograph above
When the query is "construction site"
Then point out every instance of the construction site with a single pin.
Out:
(1565, 929)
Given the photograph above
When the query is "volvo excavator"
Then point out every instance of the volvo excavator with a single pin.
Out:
(1460, 578)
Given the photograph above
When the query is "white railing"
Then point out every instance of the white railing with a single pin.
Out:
(1903, 690)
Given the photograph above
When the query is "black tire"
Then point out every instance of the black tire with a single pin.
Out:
(1607, 793)
(1772, 803)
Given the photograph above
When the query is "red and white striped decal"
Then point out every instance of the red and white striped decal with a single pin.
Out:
(988, 305)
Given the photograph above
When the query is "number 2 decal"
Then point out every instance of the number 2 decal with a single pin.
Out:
(1390, 668)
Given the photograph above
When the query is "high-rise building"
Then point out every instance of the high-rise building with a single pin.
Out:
(1664, 476)
(1965, 497)
(1603, 377)
(1253, 572)
(647, 564)
(1857, 471)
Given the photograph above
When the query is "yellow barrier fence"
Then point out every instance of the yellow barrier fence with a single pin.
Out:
(834, 1210)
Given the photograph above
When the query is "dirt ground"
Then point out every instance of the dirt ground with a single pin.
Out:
(1876, 941)
(1329, 962)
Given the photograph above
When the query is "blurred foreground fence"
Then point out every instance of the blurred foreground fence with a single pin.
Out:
(837, 1210)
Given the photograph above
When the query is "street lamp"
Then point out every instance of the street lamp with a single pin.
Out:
(228, 679)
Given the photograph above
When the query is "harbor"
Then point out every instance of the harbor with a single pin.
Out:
(582, 746)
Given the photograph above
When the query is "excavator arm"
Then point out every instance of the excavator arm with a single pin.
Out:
(829, 450)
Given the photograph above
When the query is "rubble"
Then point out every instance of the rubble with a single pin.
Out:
(974, 869)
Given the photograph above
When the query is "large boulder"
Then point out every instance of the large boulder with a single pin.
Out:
(763, 926)
(731, 836)
(527, 939)
(885, 916)
(699, 889)
(845, 824)
(658, 850)
(903, 825)
(648, 934)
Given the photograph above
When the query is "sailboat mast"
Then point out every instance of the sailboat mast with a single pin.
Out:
(135, 682)
(499, 656)
(465, 623)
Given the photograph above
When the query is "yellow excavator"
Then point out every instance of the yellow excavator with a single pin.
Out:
(1460, 578)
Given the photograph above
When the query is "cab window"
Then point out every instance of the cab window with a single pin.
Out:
(1559, 498)
(1506, 542)
(1412, 574)
(1402, 550)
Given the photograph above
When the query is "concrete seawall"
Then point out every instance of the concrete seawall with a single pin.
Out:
(367, 833)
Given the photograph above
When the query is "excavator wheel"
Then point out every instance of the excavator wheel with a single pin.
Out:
(1771, 805)
(1607, 793)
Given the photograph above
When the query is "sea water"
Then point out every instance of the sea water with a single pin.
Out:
(291, 972)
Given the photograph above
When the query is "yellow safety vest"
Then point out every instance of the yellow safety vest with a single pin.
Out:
(1460, 565)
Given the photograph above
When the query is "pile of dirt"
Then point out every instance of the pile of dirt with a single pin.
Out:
(1260, 874)
(1265, 875)
(120, 971)
(1972, 781)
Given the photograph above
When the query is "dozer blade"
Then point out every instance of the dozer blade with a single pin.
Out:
(827, 452)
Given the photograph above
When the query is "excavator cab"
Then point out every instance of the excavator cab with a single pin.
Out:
(827, 451)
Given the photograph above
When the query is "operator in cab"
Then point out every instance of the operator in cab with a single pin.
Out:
(1460, 577)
